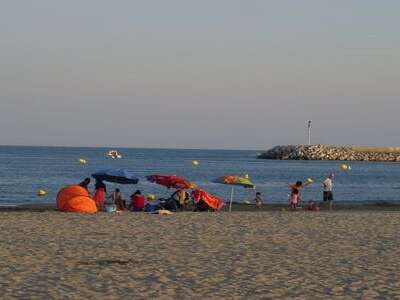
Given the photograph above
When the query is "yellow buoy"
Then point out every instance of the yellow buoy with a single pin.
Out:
(344, 167)
(41, 193)
(195, 163)
(82, 161)
(150, 197)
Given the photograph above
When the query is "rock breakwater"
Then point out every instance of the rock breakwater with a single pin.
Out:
(325, 152)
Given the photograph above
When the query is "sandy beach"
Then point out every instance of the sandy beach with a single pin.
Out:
(303, 255)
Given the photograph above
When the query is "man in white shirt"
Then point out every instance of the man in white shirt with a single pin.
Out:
(327, 190)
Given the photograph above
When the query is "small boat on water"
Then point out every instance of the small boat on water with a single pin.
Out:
(41, 193)
(114, 154)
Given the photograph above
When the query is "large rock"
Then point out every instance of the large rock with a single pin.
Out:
(325, 152)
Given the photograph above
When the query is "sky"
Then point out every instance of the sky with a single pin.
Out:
(216, 74)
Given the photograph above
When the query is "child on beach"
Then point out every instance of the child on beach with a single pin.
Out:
(311, 206)
(295, 192)
(258, 200)
(294, 199)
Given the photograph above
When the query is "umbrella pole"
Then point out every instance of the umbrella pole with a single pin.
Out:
(230, 203)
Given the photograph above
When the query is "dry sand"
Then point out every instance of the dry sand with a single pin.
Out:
(303, 255)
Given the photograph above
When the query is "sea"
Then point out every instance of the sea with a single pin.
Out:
(24, 170)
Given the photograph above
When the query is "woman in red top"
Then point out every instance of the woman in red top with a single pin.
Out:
(100, 194)
(137, 201)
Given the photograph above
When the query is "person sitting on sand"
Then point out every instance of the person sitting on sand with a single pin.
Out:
(311, 206)
(152, 204)
(109, 204)
(100, 194)
(258, 200)
(182, 199)
(137, 201)
(118, 199)
(294, 199)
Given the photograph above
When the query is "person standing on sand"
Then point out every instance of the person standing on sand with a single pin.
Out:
(327, 185)
(100, 194)
(294, 199)
(295, 196)
(295, 190)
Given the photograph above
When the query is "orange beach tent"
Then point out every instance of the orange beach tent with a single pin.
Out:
(74, 198)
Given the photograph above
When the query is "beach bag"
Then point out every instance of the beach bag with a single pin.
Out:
(169, 204)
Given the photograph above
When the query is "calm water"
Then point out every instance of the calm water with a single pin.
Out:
(23, 170)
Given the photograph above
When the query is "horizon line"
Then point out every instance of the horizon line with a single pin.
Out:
(130, 147)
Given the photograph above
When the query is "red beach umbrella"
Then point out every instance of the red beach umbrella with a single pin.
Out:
(171, 181)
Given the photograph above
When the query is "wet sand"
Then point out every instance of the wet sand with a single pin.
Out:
(273, 254)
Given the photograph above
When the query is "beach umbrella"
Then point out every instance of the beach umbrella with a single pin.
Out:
(171, 181)
(233, 180)
(121, 176)
(211, 200)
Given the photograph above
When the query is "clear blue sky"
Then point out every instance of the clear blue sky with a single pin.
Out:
(199, 74)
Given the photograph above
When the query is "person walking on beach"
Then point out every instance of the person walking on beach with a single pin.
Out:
(327, 186)
(258, 200)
